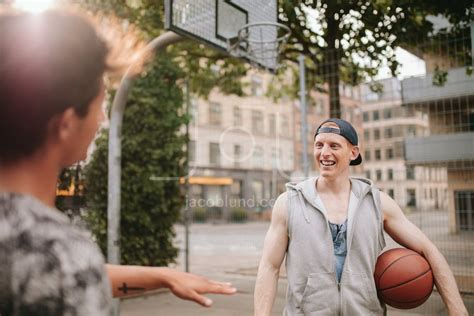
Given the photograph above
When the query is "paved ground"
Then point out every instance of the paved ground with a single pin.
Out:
(231, 252)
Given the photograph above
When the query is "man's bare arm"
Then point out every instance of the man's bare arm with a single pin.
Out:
(407, 234)
(129, 280)
(274, 249)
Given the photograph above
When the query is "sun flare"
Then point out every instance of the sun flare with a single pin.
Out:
(34, 6)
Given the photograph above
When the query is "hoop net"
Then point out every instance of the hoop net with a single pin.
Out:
(252, 42)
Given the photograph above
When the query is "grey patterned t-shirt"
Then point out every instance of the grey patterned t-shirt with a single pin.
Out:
(47, 265)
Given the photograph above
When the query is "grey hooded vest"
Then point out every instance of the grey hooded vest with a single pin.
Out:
(313, 288)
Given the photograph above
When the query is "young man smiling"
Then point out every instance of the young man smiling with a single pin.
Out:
(331, 230)
(51, 96)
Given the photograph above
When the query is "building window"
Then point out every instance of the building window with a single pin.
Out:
(391, 193)
(192, 151)
(464, 205)
(377, 154)
(257, 188)
(258, 157)
(366, 135)
(470, 124)
(388, 133)
(274, 157)
(411, 197)
(390, 174)
(399, 149)
(237, 116)
(257, 122)
(214, 154)
(376, 134)
(376, 115)
(367, 174)
(378, 175)
(366, 116)
(367, 155)
(387, 113)
(236, 155)
(215, 113)
(410, 173)
(256, 86)
(236, 188)
(271, 124)
(389, 153)
(411, 130)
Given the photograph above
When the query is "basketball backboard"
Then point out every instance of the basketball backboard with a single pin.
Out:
(217, 23)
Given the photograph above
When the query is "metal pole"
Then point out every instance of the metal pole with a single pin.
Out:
(115, 152)
(186, 185)
(304, 126)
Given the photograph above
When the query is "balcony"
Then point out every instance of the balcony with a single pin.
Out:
(421, 89)
(447, 149)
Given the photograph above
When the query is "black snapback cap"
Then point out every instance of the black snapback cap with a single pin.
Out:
(346, 130)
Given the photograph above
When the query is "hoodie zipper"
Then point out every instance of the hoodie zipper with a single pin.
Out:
(338, 282)
(349, 245)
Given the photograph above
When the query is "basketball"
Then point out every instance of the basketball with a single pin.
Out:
(403, 278)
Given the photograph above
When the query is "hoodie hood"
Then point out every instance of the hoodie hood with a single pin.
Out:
(306, 191)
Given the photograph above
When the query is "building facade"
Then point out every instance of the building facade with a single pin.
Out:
(241, 149)
(386, 126)
(450, 144)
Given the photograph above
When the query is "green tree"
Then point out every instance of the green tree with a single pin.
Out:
(149, 209)
(349, 40)
(152, 146)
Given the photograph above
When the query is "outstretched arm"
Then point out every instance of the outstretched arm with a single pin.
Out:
(407, 234)
(274, 249)
(128, 280)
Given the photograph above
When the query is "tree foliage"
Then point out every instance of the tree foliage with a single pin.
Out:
(152, 146)
(349, 40)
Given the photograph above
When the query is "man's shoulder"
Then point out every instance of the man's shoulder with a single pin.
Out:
(280, 208)
(32, 228)
(50, 263)
(35, 226)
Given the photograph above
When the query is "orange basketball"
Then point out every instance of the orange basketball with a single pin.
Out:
(403, 278)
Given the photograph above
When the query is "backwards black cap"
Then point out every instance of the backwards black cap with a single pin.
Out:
(346, 130)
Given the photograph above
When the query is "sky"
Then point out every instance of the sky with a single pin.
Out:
(410, 66)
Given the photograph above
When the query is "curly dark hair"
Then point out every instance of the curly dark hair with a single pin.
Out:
(48, 62)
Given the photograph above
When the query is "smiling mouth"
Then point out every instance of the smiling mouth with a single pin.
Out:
(327, 163)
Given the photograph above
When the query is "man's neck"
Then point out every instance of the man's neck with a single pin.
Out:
(35, 176)
(334, 186)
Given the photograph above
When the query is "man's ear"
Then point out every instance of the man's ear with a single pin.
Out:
(62, 126)
(355, 152)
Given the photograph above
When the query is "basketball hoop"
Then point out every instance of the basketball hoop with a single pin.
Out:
(259, 42)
